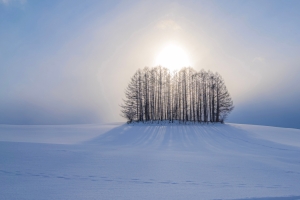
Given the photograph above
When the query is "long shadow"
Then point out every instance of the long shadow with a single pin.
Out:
(217, 138)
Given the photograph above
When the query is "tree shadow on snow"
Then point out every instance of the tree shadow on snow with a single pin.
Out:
(220, 138)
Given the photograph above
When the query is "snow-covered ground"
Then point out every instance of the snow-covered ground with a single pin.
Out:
(120, 161)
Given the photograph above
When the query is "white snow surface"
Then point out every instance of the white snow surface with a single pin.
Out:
(149, 161)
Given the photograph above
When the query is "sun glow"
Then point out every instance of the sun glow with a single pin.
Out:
(172, 57)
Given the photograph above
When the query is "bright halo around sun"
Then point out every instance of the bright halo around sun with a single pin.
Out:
(173, 57)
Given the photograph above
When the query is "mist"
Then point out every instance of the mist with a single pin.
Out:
(69, 62)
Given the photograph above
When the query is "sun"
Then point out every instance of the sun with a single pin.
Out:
(173, 57)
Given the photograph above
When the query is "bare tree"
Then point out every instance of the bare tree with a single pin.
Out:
(154, 94)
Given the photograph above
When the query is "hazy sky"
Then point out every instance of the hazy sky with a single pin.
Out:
(65, 62)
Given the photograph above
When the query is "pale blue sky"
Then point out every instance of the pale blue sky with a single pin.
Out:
(67, 62)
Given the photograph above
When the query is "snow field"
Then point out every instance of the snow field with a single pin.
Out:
(149, 161)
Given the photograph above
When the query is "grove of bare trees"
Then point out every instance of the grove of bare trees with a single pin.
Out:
(156, 94)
